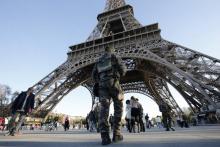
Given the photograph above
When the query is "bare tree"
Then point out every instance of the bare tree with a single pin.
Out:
(2, 93)
(5, 93)
(14, 95)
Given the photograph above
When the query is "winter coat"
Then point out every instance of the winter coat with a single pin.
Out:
(18, 102)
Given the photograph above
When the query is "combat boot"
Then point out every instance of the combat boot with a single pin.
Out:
(167, 129)
(172, 129)
(117, 138)
(105, 138)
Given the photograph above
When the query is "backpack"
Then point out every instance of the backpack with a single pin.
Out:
(105, 64)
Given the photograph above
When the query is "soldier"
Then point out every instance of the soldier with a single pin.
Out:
(165, 109)
(106, 73)
(22, 106)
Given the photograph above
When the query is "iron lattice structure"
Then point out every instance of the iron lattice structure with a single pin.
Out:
(151, 61)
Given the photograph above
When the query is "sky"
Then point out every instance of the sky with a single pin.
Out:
(35, 36)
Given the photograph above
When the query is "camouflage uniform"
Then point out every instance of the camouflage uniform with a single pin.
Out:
(166, 115)
(107, 72)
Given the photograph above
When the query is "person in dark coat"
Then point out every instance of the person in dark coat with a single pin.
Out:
(66, 124)
(22, 106)
(141, 113)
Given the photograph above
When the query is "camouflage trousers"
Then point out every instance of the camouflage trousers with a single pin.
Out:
(167, 120)
(107, 95)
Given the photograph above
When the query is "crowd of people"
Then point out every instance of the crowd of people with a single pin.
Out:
(92, 121)
(137, 122)
(106, 75)
(134, 115)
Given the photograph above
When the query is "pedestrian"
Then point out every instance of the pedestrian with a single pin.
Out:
(106, 74)
(87, 122)
(141, 113)
(148, 126)
(165, 109)
(158, 121)
(6, 124)
(184, 122)
(2, 123)
(55, 125)
(21, 107)
(92, 121)
(178, 120)
(128, 115)
(66, 124)
(135, 112)
(111, 121)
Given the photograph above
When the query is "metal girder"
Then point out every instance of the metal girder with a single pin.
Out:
(190, 94)
(144, 43)
(48, 103)
(160, 92)
(200, 66)
(50, 90)
(151, 62)
(114, 4)
(203, 69)
(136, 87)
(141, 43)
(116, 19)
(165, 94)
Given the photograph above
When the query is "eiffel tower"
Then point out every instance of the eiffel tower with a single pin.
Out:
(151, 63)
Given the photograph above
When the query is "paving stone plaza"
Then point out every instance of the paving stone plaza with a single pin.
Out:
(200, 136)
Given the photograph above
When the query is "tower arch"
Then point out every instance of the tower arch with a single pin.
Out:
(157, 61)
